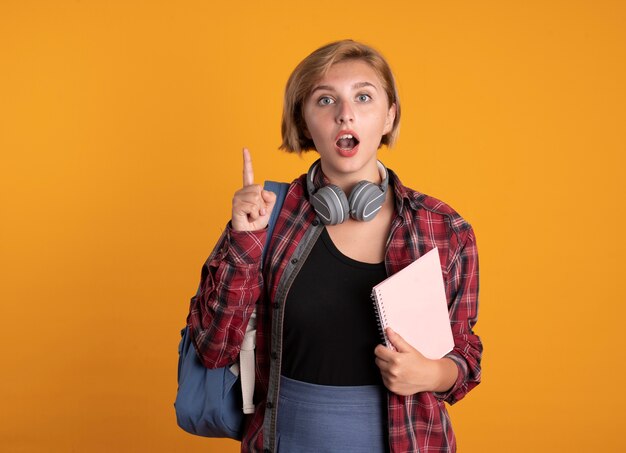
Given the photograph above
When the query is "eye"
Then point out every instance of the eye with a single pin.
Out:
(325, 100)
(363, 97)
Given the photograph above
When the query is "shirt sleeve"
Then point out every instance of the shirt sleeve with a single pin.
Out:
(463, 297)
(230, 285)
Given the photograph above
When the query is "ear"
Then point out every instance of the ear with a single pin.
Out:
(391, 116)
(306, 132)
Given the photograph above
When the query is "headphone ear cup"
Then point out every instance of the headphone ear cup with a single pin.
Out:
(366, 199)
(330, 204)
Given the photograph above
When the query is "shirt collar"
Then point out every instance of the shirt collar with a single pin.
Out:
(404, 197)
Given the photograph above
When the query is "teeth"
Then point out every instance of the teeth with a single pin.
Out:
(346, 136)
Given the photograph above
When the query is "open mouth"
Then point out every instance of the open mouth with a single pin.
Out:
(347, 142)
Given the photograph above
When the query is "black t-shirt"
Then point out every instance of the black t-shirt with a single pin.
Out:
(330, 329)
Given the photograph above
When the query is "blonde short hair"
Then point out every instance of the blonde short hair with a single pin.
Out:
(313, 68)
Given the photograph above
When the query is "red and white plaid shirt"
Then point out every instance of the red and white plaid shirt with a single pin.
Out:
(232, 283)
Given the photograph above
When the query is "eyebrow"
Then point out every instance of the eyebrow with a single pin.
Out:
(355, 86)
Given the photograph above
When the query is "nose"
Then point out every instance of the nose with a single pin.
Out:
(345, 113)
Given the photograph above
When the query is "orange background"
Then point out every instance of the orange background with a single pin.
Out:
(121, 127)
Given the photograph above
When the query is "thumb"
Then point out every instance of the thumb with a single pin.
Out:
(398, 342)
(269, 198)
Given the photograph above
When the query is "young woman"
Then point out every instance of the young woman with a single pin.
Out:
(323, 380)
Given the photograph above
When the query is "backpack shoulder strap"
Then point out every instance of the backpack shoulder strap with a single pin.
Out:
(246, 356)
(280, 189)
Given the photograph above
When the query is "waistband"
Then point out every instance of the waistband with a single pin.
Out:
(330, 395)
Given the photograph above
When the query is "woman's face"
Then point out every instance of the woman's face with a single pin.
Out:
(346, 115)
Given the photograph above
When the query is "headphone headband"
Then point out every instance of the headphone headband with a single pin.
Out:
(382, 170)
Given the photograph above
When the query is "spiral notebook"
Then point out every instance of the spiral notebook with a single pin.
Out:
(413, 303)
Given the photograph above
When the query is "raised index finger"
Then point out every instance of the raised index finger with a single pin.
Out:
(248, 173)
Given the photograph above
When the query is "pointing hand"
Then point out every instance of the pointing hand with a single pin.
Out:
(252, 205)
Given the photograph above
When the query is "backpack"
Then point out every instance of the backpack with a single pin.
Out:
(212, 402)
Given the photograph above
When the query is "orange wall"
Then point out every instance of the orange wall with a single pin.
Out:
(121, 127)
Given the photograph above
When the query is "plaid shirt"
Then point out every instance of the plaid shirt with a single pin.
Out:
(232, 283)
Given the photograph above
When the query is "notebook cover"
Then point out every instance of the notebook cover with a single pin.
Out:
(413, 303)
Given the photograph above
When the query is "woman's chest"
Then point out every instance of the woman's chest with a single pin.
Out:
(360, 241)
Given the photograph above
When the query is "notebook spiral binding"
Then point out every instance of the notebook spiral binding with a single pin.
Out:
(381, 318)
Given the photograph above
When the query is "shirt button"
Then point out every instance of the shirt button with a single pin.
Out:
(274, 355)
(269, 405)
(294, 261)
(275, 305)
(267, 450)
(316, 222)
